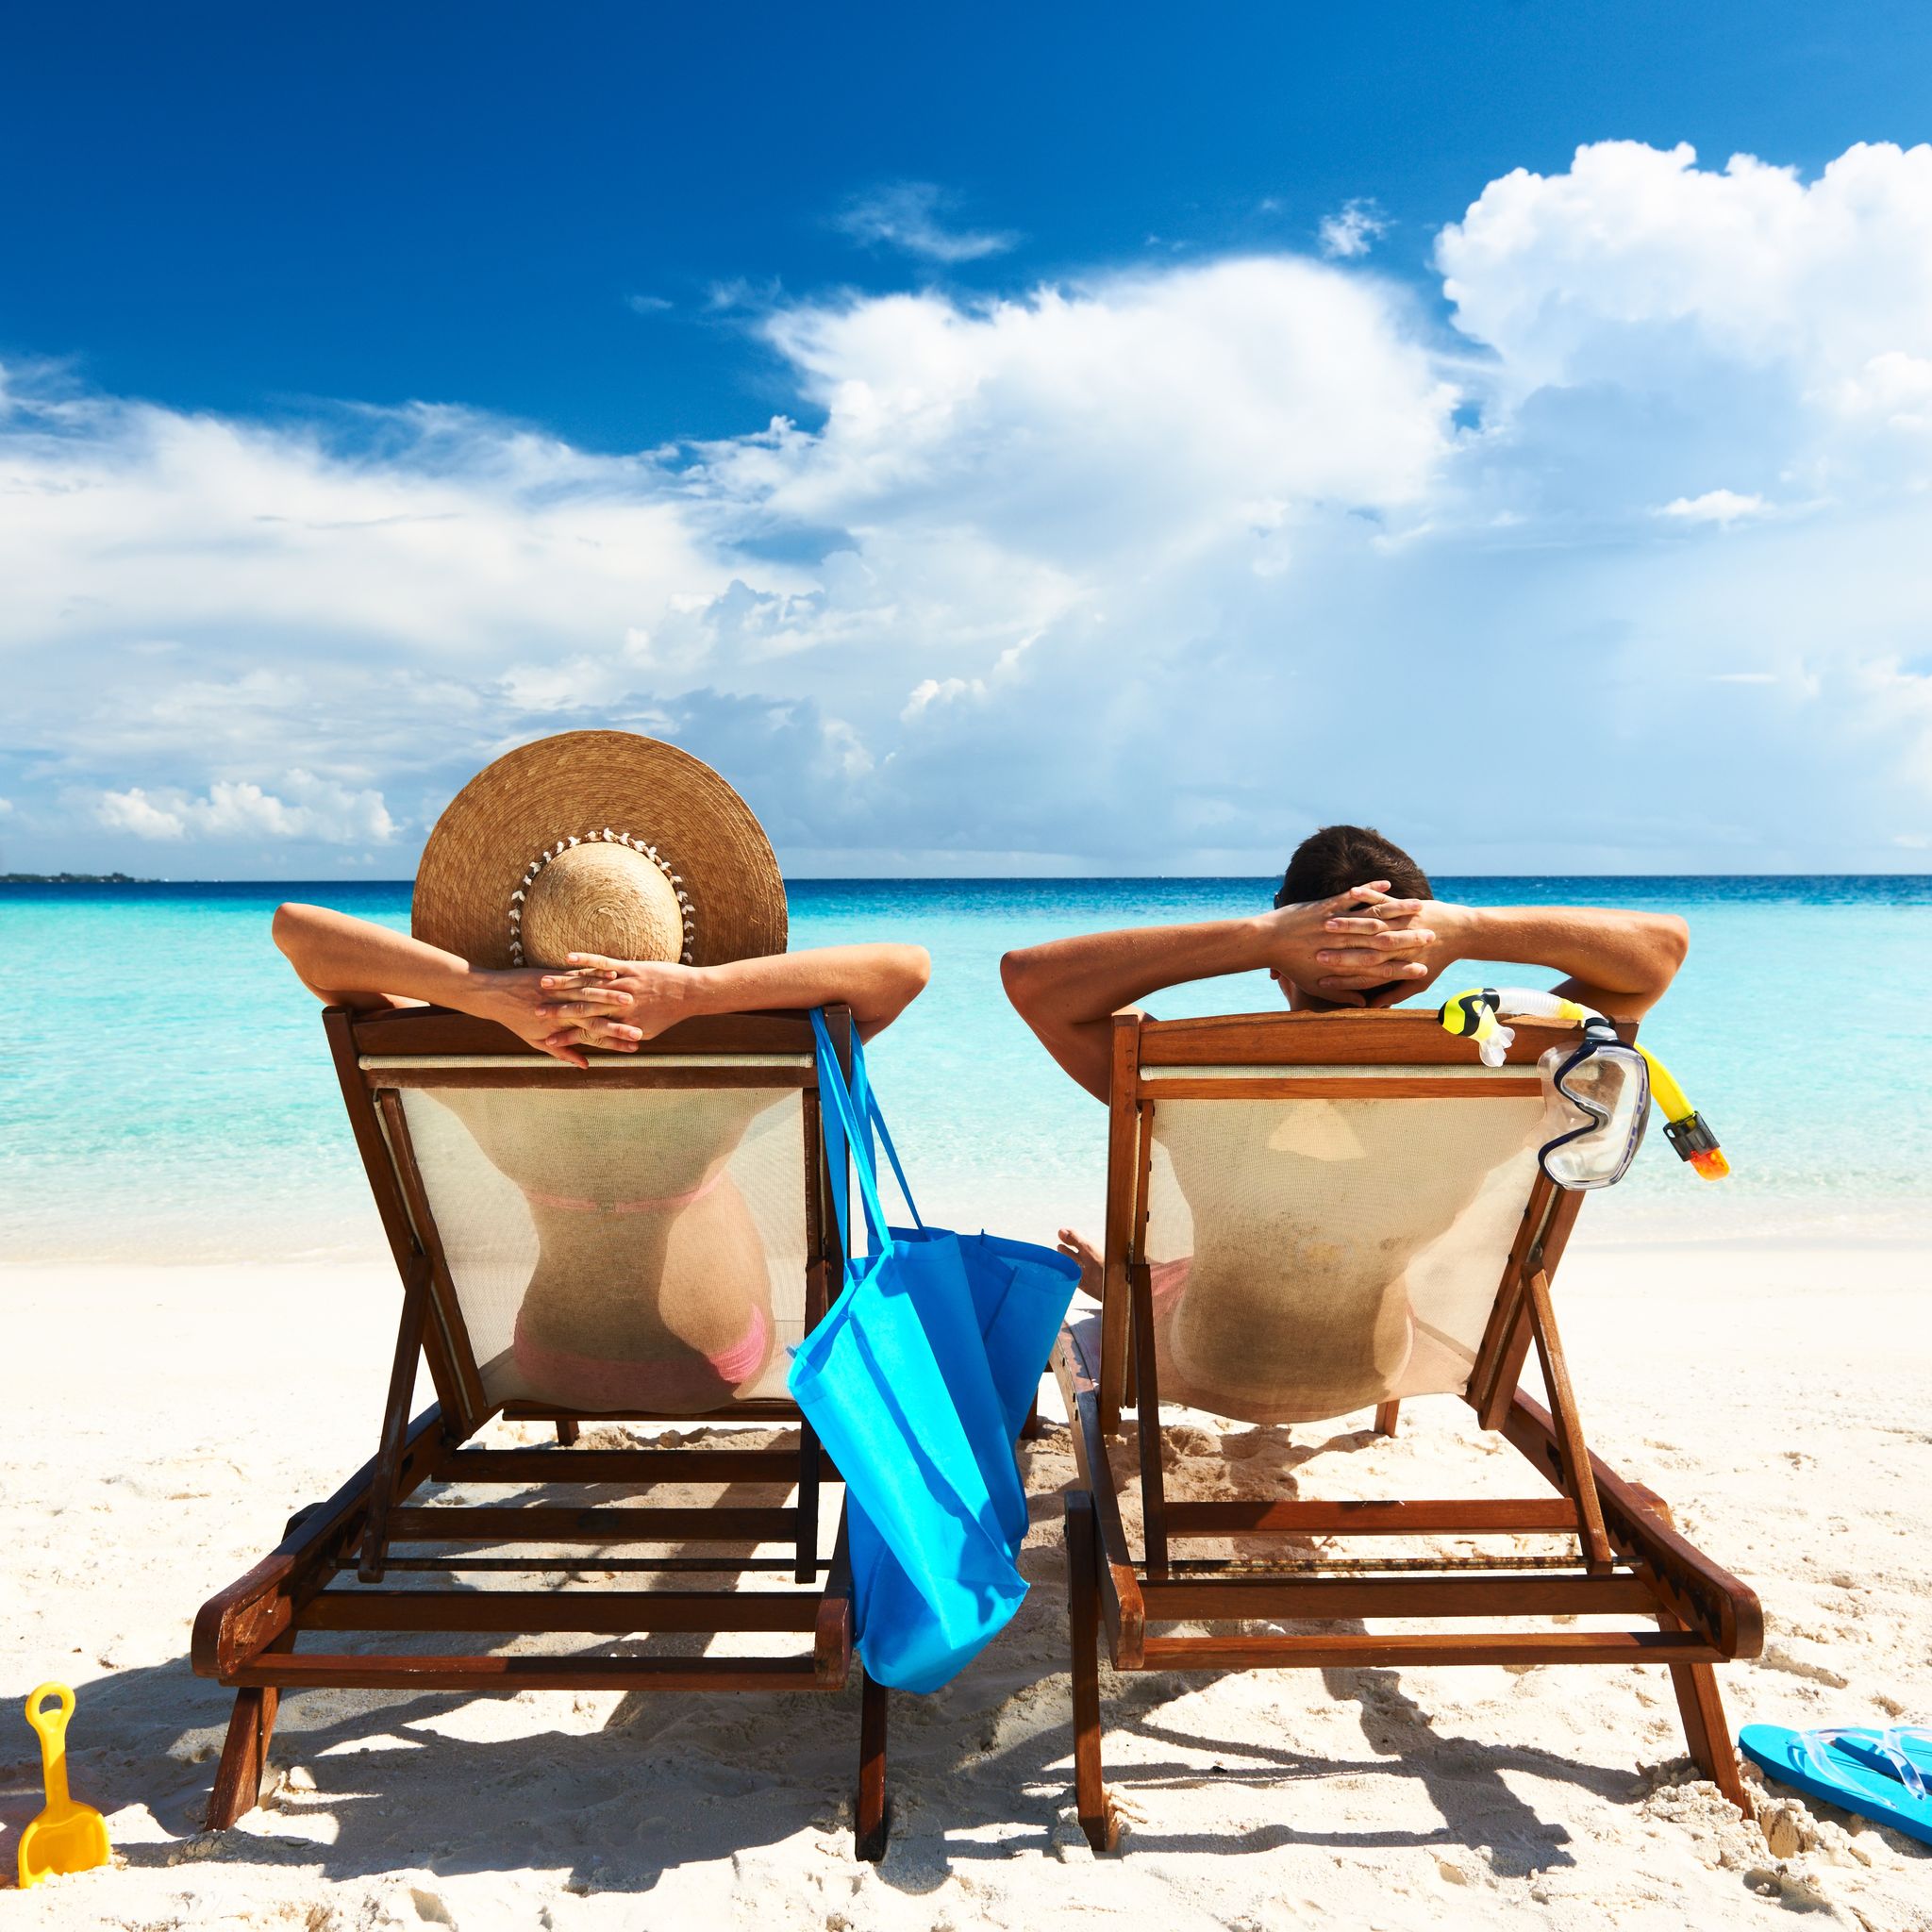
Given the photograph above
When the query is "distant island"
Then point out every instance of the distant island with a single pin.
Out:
(73, 879)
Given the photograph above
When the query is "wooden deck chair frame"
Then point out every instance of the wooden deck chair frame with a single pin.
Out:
(1628, 1561)
(325, 1575)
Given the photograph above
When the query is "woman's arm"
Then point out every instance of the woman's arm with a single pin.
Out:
(879, 982)
(342, 961)
(351, 962)
(1067, 990)
(606, 1003)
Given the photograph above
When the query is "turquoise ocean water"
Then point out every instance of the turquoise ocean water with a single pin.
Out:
(167, 1094)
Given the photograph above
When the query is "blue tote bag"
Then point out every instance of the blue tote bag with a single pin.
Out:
(917, 1381)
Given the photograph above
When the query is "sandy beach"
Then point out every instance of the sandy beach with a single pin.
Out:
(163, 1421)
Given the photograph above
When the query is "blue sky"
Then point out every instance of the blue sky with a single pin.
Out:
(241, 208)
(1189, 428)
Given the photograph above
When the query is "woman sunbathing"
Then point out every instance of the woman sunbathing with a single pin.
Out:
(586, 893)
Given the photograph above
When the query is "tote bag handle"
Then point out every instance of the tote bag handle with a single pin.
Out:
(865, 1104)
(840, 1125)
(849, 1116)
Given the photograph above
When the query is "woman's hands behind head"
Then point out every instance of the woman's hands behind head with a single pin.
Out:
(617, 1003)
(561, 1023)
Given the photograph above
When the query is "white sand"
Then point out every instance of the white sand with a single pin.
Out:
(160, 1424)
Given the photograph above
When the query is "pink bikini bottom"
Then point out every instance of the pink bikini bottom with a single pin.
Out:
(686, 1384)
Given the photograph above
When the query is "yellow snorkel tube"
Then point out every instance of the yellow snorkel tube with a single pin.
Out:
(1598, 1112)
(1684, 1128)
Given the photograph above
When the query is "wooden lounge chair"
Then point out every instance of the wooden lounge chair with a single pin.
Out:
(505, 1179)
(1308, 1214)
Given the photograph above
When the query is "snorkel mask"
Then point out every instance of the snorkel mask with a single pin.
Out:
(1597, 1094)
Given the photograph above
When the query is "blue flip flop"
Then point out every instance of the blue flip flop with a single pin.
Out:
(1882, 1773)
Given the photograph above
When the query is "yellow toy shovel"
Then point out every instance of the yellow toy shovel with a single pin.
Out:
(66, 1837)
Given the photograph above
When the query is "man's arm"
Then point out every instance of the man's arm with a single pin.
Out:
(1067, 990)
(1620, 962)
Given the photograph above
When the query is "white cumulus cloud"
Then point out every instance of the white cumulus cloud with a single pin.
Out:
(314, 811)
(1171, 409)
(134, 812)
(1760, 264)
(1144, 570)
(1792, 318)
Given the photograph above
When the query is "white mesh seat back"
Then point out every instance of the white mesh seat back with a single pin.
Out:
(1312, 1256)
(634, 1251)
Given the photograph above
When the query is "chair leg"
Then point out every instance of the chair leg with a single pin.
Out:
(245, 1757)
(1032, 1428)
(873, 1824)
(1386, 1413)
(566, 1432)
(395, 1418)
(1083, 1618)
(1707, 1731)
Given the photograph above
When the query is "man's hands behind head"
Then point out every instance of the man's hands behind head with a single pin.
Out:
(1360, 948)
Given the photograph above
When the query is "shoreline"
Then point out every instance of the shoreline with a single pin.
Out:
(1683, 1219)
(1591, 1254)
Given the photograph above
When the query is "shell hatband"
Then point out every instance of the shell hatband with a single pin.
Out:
(686, 911)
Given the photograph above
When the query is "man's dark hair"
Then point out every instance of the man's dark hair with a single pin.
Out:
(1337, 856)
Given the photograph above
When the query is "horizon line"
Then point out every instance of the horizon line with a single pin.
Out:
(975, 878)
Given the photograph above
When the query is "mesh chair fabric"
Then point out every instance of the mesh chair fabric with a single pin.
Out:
(1310, 1257)
(637, 1250)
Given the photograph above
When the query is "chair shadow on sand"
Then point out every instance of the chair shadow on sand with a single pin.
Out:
(674, 1779)
(1464, 1778)
(378, 1758)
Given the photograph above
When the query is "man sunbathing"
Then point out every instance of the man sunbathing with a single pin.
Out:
(1354, 924)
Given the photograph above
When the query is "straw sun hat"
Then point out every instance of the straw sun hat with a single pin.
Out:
(599, 842)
